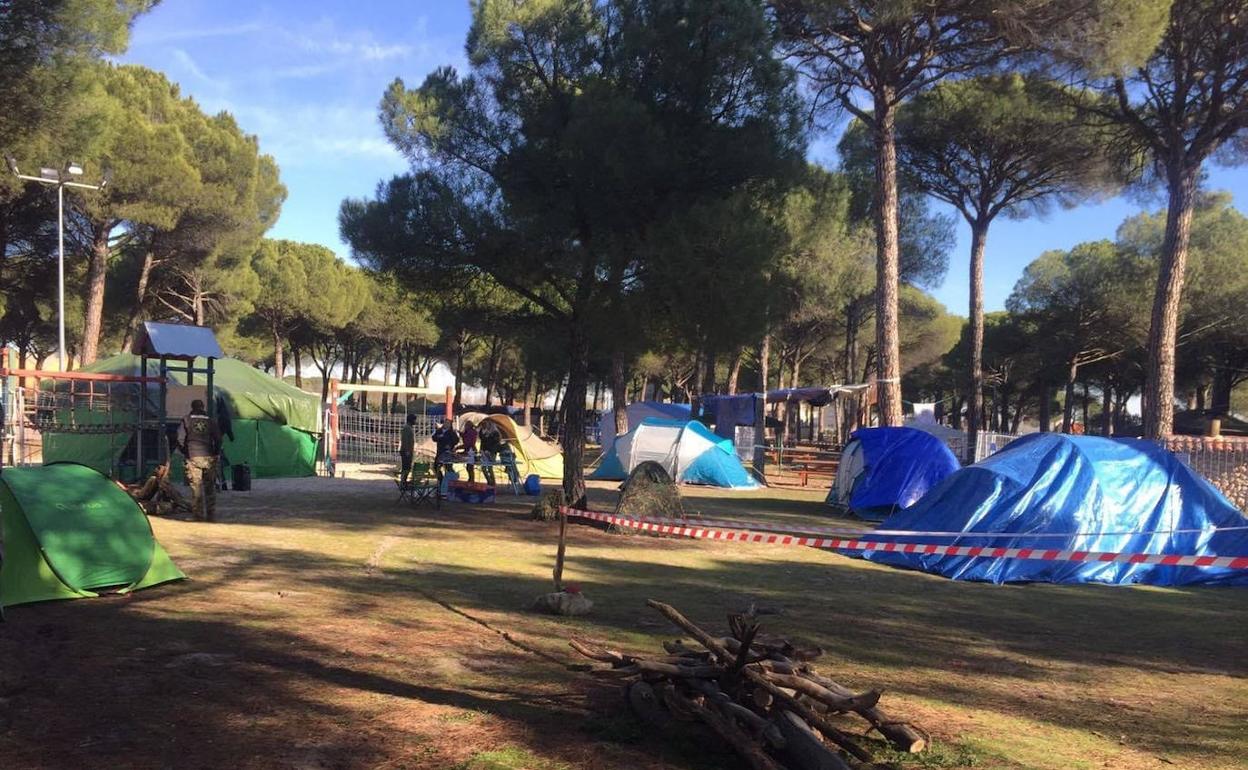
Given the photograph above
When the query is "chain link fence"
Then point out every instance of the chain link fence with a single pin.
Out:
(1224, 461)
(370, 438)
(986, 445)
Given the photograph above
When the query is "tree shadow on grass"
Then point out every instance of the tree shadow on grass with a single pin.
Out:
(918, 634)
(1026, 639)
(161, 681)
(357, 508)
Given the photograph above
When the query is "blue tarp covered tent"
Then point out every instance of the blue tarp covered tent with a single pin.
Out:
(885, 469)
(1084, 493)
(689, 452)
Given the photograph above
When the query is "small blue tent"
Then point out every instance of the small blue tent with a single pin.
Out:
(689, 451)
(1084, 493)
(885, 469)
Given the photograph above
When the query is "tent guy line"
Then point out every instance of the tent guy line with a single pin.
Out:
(837, 544)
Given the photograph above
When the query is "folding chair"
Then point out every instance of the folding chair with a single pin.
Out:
(423, 486)
(405, 488)
(507, 461)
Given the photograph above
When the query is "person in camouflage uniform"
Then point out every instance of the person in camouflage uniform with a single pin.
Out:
(199, 438)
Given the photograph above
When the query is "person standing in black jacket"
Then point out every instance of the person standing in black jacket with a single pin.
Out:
(446, 440)
(491, 444)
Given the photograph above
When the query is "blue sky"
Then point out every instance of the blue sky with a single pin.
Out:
(306, 77)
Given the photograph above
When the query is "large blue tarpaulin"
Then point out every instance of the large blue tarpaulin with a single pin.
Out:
(899, 466)
(1084, 493)
(728, 412)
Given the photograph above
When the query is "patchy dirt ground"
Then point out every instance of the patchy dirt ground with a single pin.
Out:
(326, 627)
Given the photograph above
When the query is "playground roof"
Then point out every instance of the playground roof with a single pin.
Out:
(180, 341)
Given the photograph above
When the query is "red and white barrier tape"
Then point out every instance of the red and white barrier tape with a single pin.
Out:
(789, 530)
(841, 544)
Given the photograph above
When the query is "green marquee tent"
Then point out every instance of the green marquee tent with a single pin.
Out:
(68, 532)
(276, 425)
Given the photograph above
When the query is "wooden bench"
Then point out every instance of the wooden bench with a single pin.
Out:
(816, 467)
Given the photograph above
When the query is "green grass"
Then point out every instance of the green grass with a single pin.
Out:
(509, 758)
(321, 592)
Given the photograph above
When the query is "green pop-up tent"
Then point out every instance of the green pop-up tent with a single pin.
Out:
(276, 425)
(69, 532)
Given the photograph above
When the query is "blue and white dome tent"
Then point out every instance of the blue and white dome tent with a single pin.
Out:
(689, 451)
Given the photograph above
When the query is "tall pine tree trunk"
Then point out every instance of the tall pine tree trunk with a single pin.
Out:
(297, 354)
(385, 377)
(1181, 181)
(1068, 408)
(708, 371)
(1107, 410)
(140, 295)
(887, 271)
(528, 390)
(975, 384)
(1046, 409)
(764, 364)
(619, 393)
(492, 370)
(1220, 393)
(734, 373)
(279, 363)
(574, 418)
(459, 374)
(97, 272)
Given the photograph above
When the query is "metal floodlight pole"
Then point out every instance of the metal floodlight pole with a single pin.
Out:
(59, 178)
(60, 276)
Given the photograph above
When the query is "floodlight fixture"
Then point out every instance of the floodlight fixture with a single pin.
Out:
(61, 179)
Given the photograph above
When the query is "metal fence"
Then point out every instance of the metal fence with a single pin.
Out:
(1224, 461)
(986, 445)
(372, 437)
(36, 416)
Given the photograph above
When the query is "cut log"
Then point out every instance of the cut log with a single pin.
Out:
(903, 736)
(758, 724)
(753, 693)
(835, 734)
(834, 701)
(747, 748)
(599, 654)
(804, 746)
(645, 704)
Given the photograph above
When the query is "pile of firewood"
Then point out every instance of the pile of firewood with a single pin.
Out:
(158, 496)
(761, 696)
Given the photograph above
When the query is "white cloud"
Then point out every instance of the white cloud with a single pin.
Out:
(191, 66)
(312, 133)
(326, 39)
(329, 121)
(303, 71)
(377, 52)
(143, 37)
